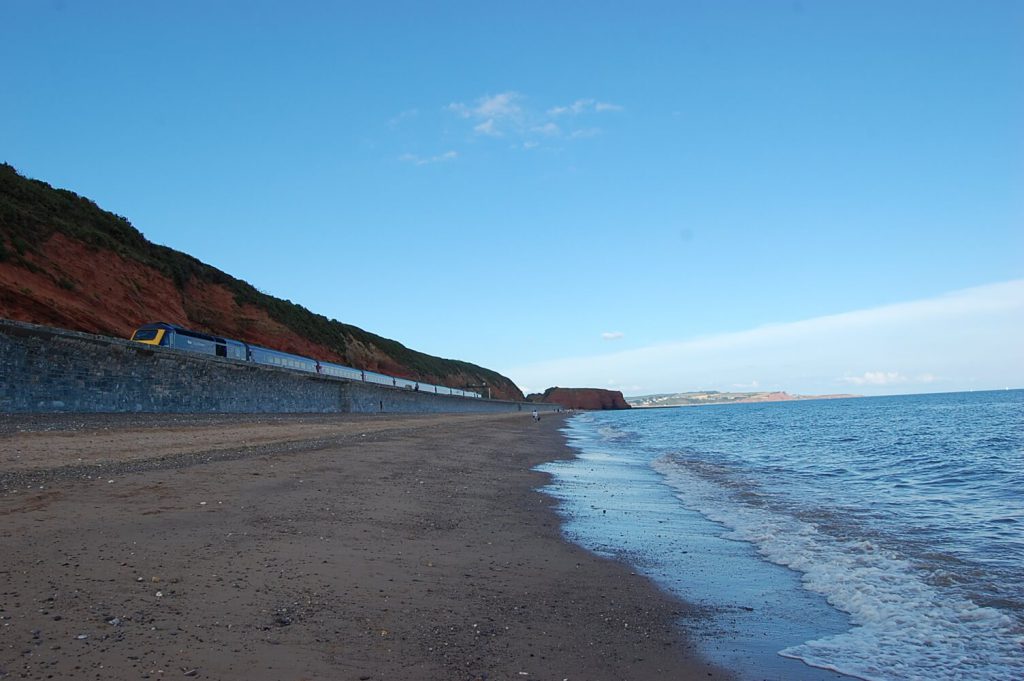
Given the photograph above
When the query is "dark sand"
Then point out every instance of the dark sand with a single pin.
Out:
(309, 547)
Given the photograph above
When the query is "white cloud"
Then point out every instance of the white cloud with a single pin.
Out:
(488, 127)
(504, 105)
(877, 378)
(509, 114)
(585, 132)
(888, 378)
(582, 106)
(612, 335)
(550, 129)
(424, 160)
(495, 113)
(576, 108)
(968, 339)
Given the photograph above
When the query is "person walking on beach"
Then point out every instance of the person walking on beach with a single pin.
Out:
(536, 416)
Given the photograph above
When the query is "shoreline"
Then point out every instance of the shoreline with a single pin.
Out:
(382, 547)
(617, 503)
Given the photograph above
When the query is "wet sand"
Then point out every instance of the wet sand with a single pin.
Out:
(309, 547)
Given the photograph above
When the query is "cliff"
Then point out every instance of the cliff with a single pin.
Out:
(65, 262)
(582, 398)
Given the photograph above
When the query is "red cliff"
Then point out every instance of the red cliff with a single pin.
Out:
(583, 398)
(65, 262)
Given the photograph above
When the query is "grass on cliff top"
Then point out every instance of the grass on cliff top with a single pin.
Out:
(31, 211)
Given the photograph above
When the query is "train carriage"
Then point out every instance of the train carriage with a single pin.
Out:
(281, 359)
(374, 377)
(340, 371)
(180, 338)
(405, 383)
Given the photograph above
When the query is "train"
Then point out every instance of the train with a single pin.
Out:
(178, 337)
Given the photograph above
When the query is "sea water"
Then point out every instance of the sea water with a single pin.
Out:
(882, 538)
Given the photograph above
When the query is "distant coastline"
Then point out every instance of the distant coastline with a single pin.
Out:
(692, 399)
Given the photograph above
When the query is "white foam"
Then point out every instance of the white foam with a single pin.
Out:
(903, 628)
(611, 433)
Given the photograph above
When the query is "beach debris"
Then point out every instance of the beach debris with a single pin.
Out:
(189, 672)
(159, 594)
(82, 637)
(116, 621)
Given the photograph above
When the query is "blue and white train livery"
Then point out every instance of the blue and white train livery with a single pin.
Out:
(180, 338)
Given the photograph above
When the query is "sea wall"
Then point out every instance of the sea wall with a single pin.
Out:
(43, 369)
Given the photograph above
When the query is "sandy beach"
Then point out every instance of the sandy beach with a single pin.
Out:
(309, 547)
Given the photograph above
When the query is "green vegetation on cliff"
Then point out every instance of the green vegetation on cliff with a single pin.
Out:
(31, 211)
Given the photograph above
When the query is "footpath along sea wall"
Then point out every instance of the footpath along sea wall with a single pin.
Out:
(43, 369)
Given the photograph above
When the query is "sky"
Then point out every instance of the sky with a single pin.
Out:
(817, 196)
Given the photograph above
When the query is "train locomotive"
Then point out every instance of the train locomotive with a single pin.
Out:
(180, 338)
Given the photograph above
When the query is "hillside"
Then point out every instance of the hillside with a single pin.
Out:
(715, 397)
(65, 262)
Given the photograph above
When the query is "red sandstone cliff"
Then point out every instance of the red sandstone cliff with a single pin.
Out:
(583, 398)
(64, 262)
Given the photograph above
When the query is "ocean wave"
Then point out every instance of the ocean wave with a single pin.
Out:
(904, 627)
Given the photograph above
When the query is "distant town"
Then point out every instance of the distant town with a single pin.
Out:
(691, 399)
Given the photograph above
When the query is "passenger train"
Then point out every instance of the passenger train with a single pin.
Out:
(174, 336)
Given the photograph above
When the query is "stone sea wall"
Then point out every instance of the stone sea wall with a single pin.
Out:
(43, 369)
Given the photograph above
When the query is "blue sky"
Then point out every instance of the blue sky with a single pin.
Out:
(561, 191)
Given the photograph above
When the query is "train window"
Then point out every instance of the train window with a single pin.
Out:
(144, 335)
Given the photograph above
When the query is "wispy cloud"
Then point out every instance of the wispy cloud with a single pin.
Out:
(888, 378)
(496, 115)
(585, 132)
(548, 128)
(876, 378)
(612, 335)
(500, 106)
(488, 127)
(425, 160)
(582, 106)
(968, 339)
(511, 114)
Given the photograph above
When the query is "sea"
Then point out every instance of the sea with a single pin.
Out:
(878, 538)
